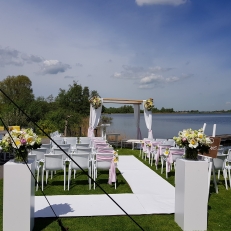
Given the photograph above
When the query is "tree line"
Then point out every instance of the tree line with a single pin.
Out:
(130, 109)
(52, 113)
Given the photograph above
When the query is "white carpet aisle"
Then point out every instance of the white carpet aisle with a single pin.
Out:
(151, 195)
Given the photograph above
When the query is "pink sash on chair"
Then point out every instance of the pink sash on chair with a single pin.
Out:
(147, 149)
(169, 159)
(159, 151)
(112, 170)
(104, 150)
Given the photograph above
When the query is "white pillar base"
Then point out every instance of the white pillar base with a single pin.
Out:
(18, 196)
(191, 194)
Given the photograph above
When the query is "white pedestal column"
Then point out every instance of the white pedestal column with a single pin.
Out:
(191, 194)
(18, 196)
(103, 131)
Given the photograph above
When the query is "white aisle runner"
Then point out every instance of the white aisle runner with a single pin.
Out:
(151, 195)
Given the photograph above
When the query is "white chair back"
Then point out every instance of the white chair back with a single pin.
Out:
(103, 160)
(40, 152)
(47, 146)
(83, 150)
(162, 140)
(82, 145)
(229, 155)
(169, 142)
(219, 162)
(72, 141)
(59, 151)
(66, 146)
(84, 140)
(82, 159)
(58, 140)
(53, 162)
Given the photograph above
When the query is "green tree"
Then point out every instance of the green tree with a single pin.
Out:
(19, 90)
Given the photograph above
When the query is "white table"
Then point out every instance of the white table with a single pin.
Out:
(134, 141)
(116, 135)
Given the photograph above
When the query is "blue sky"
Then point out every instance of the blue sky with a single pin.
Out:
(174, 51)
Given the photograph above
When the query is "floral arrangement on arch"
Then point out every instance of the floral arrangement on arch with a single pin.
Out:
(21, 140)
(193, 139)
(116, 157)
(95, 101)
(149, 104)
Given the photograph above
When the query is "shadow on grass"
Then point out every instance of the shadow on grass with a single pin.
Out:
(42, 223)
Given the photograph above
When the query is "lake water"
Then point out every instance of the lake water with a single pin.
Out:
(168, 125)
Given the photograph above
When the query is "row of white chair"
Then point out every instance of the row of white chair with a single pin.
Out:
(57, 161)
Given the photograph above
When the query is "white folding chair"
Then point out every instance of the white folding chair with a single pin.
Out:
(39, 159)
(72, 141)
(83, 160)
(219, 164)
(84, 140)
(58, 140)
(53, 163)
(104, 161)
(47, 146)
(62, 151)
(228, 165)
(173, 155)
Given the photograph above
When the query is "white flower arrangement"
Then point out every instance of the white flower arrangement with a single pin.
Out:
(95, 101)
(20, 140)
(193, 139)
(149, 104)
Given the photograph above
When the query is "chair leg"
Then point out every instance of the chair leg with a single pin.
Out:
(42, 178)
(162, 165)
(214, 180)
(46, 175)
(229, 177)
(225, 177)
(64, 169)
(94, 173)
(68, 179)
(167, 169)
(89, 179)
(37, 178)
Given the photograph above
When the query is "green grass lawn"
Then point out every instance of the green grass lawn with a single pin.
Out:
(219, 211)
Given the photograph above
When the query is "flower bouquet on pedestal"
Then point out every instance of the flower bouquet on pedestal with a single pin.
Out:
(194, 142)
(19, 143)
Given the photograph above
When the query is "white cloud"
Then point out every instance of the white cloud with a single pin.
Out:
(69, 77)
(172, 79)
(31, 58)
(129, 72)
(150, 77)
(228, 103)
(53, 67)
(10, 57)
(160, 2)
(14, 57)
